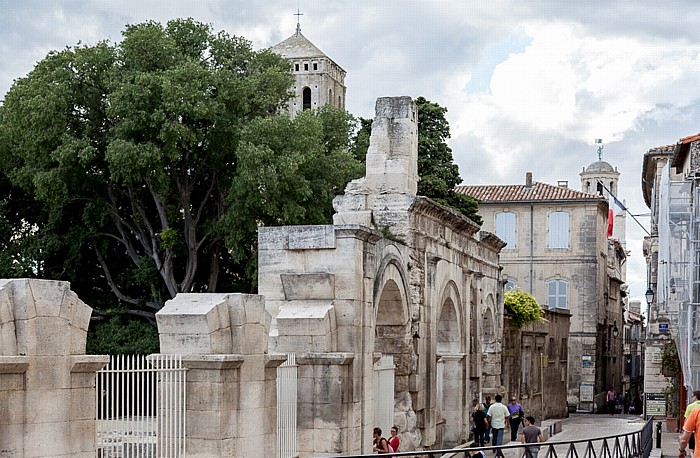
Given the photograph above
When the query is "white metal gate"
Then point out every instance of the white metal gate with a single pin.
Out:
(384, 393)
(141, 407)
(287, 408)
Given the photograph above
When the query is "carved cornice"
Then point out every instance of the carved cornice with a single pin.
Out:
(424, 206)
(492, 240)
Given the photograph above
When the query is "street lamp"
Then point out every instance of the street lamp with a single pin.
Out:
(615, 330)
(649, 295)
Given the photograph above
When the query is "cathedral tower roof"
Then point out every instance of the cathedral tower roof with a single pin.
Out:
(297, 46)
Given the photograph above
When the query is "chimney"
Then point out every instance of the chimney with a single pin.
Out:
(528, 180)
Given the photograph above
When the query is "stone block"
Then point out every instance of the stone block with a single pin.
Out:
(360, 218)
(311, 237)
(190, 313)
(48, 373)
(7, 314)
(12, 406)
(308, 286)
(21, 299)
(47, 296)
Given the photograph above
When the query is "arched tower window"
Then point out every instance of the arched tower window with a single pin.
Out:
(340, 102)
(306, 98)
(330, 97)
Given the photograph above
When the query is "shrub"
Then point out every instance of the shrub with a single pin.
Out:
(522, 307)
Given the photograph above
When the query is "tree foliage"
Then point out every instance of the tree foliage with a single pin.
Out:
(142, 169)
(522, 307)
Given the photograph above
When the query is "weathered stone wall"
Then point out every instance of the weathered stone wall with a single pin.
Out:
(535, 364)
(47, 383)
(231, 380)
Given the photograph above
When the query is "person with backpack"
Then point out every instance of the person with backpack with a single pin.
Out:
(380, 445)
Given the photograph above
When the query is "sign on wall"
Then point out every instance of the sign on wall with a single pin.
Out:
(585, 392)
(586, 361)
(655, 404)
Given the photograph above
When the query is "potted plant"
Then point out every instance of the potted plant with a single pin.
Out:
(671, 368)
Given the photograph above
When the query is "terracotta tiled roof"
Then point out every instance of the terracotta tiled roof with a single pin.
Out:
(520, 193)
(689, 139)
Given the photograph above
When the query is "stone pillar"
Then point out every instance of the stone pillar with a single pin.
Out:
(231, 381)
(47, 383)
(324, 422)
(392, 157)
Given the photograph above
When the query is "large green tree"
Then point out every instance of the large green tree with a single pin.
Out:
(150, 163)
(438, 173)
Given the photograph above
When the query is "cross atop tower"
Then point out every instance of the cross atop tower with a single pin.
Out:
(298, 15)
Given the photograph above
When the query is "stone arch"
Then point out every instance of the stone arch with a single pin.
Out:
(392, 335)
(449, 327)
(488, 328)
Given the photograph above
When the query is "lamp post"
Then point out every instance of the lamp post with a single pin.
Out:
(615, 330)
(649, 295)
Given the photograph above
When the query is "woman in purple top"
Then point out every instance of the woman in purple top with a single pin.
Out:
(516, 417)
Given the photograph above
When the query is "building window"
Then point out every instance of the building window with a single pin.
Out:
(505, 228)
(340, 102)
(558, 230)
(558, 294)
(306, 67)
(296, 67)
(509, 286)
(306, 98)
(315, 66)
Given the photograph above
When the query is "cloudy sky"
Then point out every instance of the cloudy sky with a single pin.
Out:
(528, 85)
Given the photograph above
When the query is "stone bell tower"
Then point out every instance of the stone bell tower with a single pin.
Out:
(318, 80)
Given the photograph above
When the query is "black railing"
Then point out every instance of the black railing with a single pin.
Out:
(636, 444)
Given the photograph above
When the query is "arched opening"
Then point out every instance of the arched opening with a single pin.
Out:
(340, 102)
(450, 381)
(392, 338)
(330, 96)
(306, 98)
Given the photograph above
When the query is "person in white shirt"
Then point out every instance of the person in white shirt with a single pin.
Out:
(499, 417)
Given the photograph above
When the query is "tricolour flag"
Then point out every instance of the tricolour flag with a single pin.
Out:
(615, 207)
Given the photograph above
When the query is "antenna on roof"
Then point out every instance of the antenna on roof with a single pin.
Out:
(298, 15)
(599, 141)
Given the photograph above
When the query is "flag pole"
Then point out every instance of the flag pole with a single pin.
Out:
(624, 208)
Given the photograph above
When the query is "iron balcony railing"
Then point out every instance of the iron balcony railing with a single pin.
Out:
(636, 444)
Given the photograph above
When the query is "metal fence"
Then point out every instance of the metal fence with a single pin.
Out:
(141, 407)
(636, 444)
(287, 408)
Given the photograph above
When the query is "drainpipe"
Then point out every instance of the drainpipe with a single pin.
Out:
(532, 240)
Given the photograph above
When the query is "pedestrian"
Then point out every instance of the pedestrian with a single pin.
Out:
(531, 435)
(516, 417)
(638, 405)
(487, 434)
(695, 403)
(691, 427)
(379, 444)
(394, 440)
(476, 453)
(478, 423)
(498, 416)
(611, 398)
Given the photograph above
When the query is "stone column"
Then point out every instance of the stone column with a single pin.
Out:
(232, 380)
(48, 383)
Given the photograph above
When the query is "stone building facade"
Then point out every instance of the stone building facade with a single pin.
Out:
(397, 280)
(318, 80)
(558, 251)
